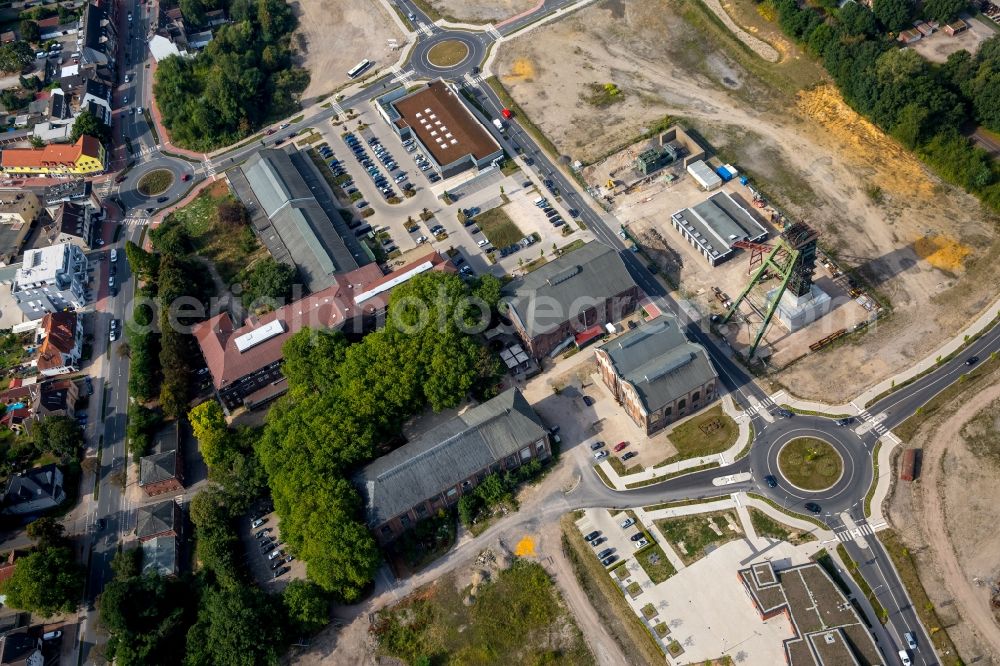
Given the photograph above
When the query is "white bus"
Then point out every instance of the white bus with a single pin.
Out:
(359, 68)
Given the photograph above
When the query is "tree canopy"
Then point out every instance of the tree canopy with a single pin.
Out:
(241, 79)
(267, 282)
(15, 56)
(345, 399)
(894, 15)
(240, 626)
(60, 435)
(88, 124)
(46, 581)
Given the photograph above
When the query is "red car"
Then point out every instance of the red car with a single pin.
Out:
(506, 113)
(186, 177)
(270, 131)
(620, 445)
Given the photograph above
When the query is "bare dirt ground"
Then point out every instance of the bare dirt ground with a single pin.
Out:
(481, 11)
(335, 35)
(948, 520)
(939, 46)
(923, 245)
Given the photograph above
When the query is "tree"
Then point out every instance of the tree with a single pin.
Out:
(87, 124)
(29, 31)
(60, 435)
(894, 15)
(47, 581)
(36, 141)
(142, 423)
(47, 532)
(143, 264)
(15, 56)
(306, 606)
(210, 429)
(236, 627)
(489, 288)
(858, 19)
(943, 10)
(267, 280)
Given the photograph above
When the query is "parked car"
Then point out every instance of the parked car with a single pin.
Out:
(593, 535)
(627, 523)
(598, 541)
(281, 571)
(609, 560)
(641, 543)
(275, 554)
(51, 635)
(588, 401)
(269, 547)
(257, 523)
(629, 455)
(596, 445)
(637, 536)
(600, 455)
(604, 553)
(620, 445)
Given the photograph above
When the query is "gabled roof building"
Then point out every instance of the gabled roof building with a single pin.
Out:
(571, 296)
(62, 343)
(657, 374)
(34, 491)
(158, 520)
(162, 471)
(435, 469)
(84, 158)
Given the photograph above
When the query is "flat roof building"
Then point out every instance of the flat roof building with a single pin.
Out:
(292, 223)
(51, 279)
(448, 132)
(716, 223)
(827, 630)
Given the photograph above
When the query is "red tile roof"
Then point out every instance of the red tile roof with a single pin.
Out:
(51, 154)
(330, 308)
(60, 338)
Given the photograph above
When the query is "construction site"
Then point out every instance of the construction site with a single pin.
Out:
(760, 276)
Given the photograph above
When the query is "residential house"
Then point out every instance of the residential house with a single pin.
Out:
(84, 158)
(159, 520)
(95, 97)
(18, 405)
(51, 279)
(61, 344)
(570, 299)
(434, 470)
(657, 374)
(21, 648)
(245, 362)
(34, 491)
(160, 556)
(162, 471)
(74, 224)
(57, 398)
(97, 39)
(27, 401)
(19, 210)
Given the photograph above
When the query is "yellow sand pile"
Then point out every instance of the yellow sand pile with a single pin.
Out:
(525, 547)
(521, 69)
(941, 252)
(897, 171)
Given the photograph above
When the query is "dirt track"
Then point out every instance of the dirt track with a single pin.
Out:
(948, 521)
(925, 246)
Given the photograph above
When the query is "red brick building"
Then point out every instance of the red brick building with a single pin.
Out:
(162, 471)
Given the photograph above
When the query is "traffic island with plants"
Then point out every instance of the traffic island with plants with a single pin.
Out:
(809, 463)
(155, 182)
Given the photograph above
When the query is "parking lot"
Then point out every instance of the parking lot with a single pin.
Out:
(375, 168)
(267, 559)
(612, 536)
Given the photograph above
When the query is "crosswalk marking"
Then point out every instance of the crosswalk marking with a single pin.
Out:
(399, 75)
(338, 109)
(870, 422)
(135, 221)
(494, 33)
(762, 406)
(426, 29)
(863, 529)
(209, 168)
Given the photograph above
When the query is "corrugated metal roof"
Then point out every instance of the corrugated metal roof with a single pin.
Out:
(660, 362)
(447, 455)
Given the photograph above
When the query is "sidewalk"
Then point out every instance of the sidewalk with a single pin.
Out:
(724, 458)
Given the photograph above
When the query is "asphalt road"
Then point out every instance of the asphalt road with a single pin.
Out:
(844, 498)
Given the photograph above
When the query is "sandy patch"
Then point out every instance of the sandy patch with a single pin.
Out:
(868, 197)
(480, 11)
(335, 35)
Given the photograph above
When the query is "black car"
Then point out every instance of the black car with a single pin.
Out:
(269, 547)
(638, 535)
(593, 535)
(771, 481)
(281, 571)
(587, 400)
(813, 507)
(596, 445)
(845, 421)
(629, 455)
(277, 563)
(99, 524)
(787, 413)
(609, 560)
(598, 541)
(972, 360)
(604, 553)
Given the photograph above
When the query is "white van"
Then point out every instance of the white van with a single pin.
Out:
(114, 254)
(540, 201)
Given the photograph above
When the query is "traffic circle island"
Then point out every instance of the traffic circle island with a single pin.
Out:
(810, 464)
(448, 53)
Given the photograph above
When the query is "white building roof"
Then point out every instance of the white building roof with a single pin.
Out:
(41, 265)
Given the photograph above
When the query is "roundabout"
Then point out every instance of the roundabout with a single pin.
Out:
(448, 53)
(810, 464)
(155, 182)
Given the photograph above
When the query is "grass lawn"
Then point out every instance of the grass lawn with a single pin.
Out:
(498, 228)
(654, 562)
(766, 526)
(448, 53)
(619, 466)
(231, 250)
(696, 535)
(810, 463)
(517, 612)
(155, 182)
(706, 434)
(866, 589)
